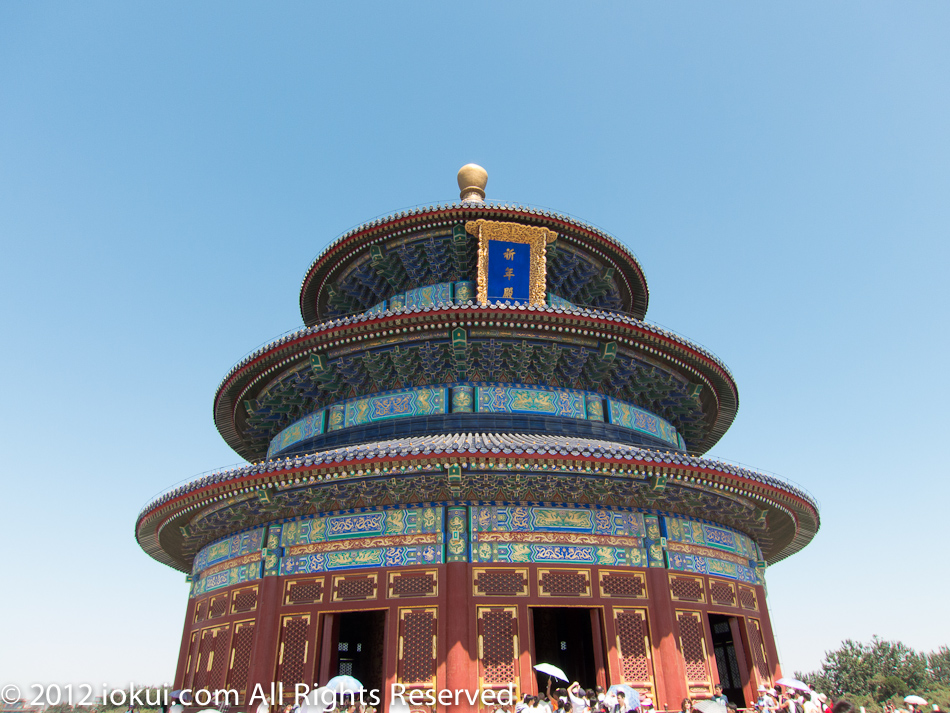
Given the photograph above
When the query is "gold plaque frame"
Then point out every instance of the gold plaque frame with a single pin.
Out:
(537, 238)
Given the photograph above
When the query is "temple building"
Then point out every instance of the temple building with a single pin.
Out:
(474, 457)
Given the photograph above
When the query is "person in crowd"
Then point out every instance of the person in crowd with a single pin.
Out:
(843, 705)
(686, 706)
(575, 695)
(544, 702)
(719, 696)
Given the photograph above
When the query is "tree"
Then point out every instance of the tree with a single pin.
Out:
(881, 670)
(938, 664)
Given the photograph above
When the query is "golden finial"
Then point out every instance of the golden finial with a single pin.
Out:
(472, 181)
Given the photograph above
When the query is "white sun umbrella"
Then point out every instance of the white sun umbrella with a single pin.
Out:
(710, 706)
(916, 700)
(631, 695)
(318, 700)
(551, 670)
(793, 683)
(344, 684)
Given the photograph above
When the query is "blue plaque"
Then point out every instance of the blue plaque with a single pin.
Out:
(509, 271)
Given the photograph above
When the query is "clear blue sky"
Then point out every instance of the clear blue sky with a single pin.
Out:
(169, 170)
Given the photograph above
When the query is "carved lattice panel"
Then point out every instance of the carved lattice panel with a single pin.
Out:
(757, 644)
(687, 589)
(747, 598)
(417, 647)
(212, 657)
(353, 588)
(304, 591)
(633, 647)
(627, 585)
(498, 646)
(293, 659)
(191, 663)
(500, 582)
(218, 663)
(692, 639)
(244, 600)
(413, 584)
(219, 606)
(242, 641)
(201, 610)
(722, 593)
(564, 582)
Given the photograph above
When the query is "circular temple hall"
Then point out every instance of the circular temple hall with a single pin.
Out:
(474, 457)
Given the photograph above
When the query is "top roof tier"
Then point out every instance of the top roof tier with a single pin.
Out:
(425, 246)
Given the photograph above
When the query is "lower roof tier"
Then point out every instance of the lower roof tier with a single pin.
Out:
(465, 468)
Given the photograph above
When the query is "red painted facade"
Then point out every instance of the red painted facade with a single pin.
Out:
(649, 628)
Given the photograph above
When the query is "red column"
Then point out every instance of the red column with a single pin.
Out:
(745, 671)
(460, 671)
(767, 635)
(668, 665)
(185, 644)
(266, 636)
(329, 655)
(597, 629)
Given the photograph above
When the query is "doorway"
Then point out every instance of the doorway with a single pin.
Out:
(564, 637)
(359, 647)
(731, 675)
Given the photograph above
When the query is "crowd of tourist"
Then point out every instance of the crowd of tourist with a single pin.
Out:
(575, 699)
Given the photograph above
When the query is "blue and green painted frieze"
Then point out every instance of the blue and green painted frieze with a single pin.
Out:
(479, 533)
(478, 398)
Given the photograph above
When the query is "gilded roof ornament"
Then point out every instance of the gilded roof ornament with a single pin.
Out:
(472, 180)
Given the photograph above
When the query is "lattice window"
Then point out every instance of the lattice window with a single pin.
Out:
(304, 592)
(614, 584)
(201, 610)
(191, 665)
(219, 606)
(758, 649)
(564, 583)
(417, 645)
(241, 644)
(412, 584)
(204, 653)
(498, 644)
(292, 657)
(687, 589)
(244, 600)
(722, 593)
(501, 582)
(218, 665)
(634, 645)
(747, 599)
(354, 588)
(693, 645)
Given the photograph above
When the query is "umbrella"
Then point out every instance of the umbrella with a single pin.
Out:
(793, 683)
(916, 700)
(551, 670)
(344, 684)
(318, 701)
(633, 698)
(710, 706)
